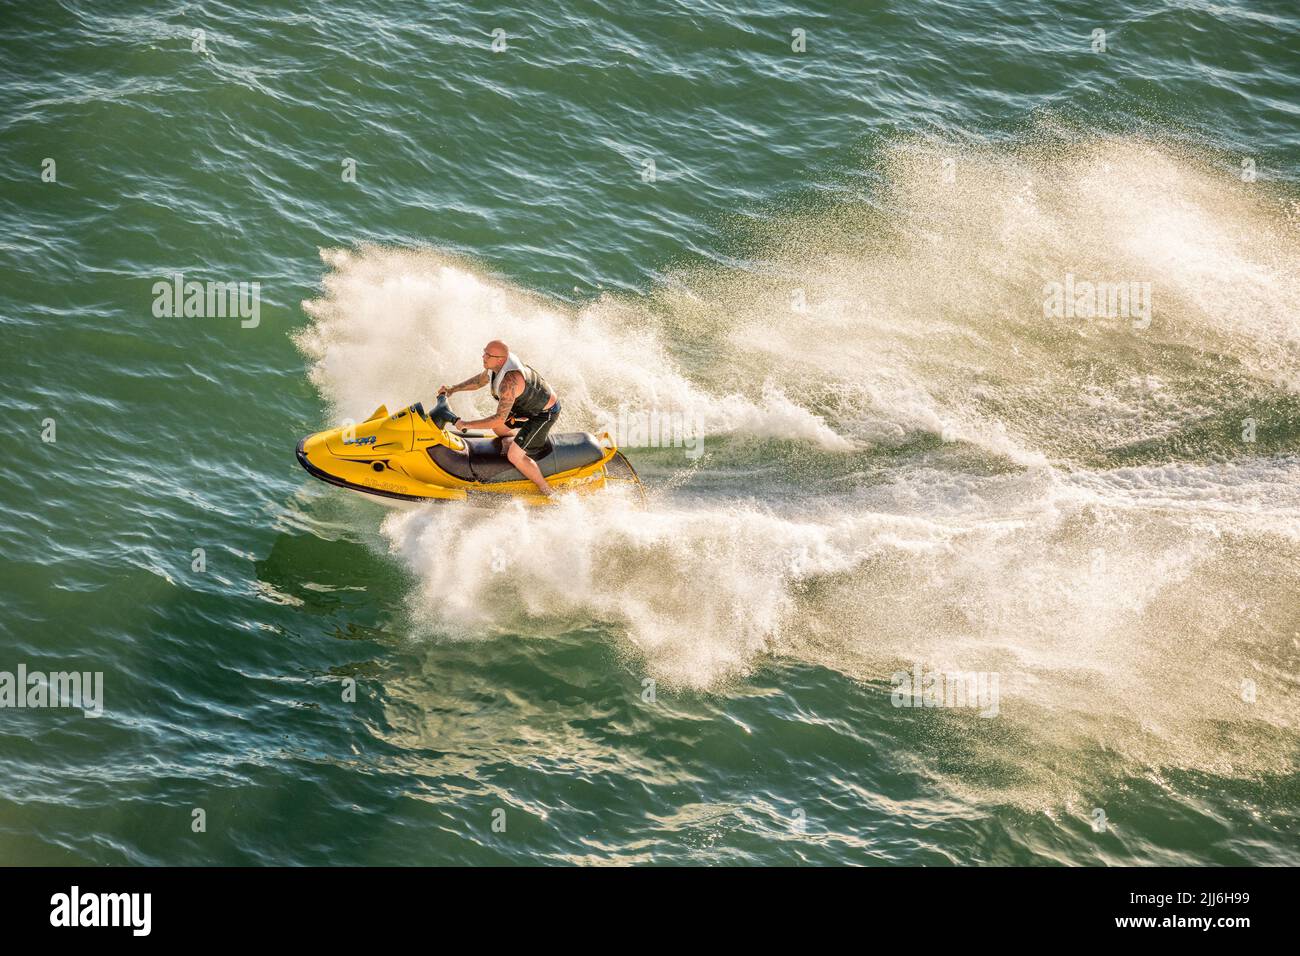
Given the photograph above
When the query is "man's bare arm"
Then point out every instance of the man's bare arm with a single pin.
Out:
(511, 388)
(469, 385)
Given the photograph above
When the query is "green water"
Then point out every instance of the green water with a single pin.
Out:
(836, 272)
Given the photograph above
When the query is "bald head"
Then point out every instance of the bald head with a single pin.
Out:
(495, 354)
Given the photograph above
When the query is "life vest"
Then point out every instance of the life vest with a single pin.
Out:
(532, 401)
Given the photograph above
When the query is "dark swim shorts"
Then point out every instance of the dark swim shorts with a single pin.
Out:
(532, 433)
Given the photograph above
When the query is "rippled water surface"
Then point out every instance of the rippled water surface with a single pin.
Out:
(833, 262)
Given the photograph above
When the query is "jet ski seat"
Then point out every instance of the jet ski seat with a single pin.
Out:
(484, 461)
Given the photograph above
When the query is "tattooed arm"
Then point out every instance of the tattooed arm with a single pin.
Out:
(511, 388)
(469, 385)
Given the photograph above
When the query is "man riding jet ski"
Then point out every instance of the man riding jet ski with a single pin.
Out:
(524, 400)
(414, 455)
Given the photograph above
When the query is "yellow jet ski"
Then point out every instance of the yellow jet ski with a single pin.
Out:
(413, 456)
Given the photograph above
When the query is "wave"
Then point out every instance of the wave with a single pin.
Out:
(909, 459)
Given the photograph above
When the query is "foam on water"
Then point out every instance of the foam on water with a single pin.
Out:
(1069, 503)
(394, 324)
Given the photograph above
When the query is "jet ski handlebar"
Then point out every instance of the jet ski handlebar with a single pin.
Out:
(442, 416)
(441, 413)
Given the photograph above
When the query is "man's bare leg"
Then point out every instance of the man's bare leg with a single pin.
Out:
(519, 458)
(527, 467)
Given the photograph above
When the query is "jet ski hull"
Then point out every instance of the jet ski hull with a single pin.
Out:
(408, 457)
